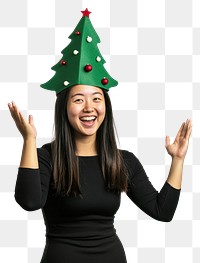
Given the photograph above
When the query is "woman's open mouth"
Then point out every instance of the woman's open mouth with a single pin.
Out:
(88, 121)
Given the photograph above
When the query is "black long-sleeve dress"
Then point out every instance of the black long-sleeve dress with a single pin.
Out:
(80, 230)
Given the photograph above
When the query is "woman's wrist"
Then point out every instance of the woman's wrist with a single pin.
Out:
(175, 173)
(29, 139)
(178, 159)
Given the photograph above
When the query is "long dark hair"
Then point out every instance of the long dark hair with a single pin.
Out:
(65, 163)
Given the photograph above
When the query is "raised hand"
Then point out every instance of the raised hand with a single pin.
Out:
(180, 145)
(26, 128)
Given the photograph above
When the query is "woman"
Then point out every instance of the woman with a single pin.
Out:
(77, 179)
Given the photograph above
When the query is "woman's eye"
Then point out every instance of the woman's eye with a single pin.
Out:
(78, 100)
(97, 99)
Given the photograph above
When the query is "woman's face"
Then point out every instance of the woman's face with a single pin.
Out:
(86, 109)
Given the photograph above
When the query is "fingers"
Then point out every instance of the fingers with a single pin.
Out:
(189, 130)
(13, 109)
(30, 120)
(185, 130)
(16, 114)
(185, 127)
(180, 131)
(26, 128)
(167, 141)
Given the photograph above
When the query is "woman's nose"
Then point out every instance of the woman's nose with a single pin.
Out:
(88, 107)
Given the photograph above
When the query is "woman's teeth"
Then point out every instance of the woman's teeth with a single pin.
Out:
(92, 118)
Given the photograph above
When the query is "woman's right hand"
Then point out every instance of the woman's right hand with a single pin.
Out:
(26, 128)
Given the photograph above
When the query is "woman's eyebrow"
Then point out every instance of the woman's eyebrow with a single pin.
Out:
(81, 94)
(97, 93)
(77, 94)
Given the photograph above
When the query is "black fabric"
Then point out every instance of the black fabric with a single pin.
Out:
(81, 229)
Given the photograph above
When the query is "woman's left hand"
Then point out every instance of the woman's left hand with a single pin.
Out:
(179, 148)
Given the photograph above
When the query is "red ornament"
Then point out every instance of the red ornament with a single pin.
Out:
(86, 12)
(63, 62)
(104, 81)
(77, 33)
(88, 68)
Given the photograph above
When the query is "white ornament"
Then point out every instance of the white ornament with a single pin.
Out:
(66, 82)
(89, 39)
(75, 52)
(98, 59)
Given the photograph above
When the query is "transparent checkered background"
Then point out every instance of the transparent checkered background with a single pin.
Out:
(153, 49)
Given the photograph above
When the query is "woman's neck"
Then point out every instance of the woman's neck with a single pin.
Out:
(86, 146)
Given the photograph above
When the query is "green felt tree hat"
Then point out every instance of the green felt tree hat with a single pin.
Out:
(82, 62)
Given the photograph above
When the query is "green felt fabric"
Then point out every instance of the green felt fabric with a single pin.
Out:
(73, 72)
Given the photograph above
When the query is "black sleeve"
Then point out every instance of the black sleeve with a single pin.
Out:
(159, 205)
(32, 185)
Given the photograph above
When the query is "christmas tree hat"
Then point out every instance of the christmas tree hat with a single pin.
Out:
(82, 62)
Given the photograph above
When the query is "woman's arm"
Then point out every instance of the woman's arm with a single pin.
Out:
(175, 173)
(32, 184)
(28, 131)
(159, 205)
(29, 158)
(33, 177)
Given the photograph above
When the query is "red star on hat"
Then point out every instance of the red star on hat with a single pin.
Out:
(86, 12)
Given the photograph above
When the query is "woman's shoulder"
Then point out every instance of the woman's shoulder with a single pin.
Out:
(47, 146)
(132, 163)
(130, 159)
(127, 155)
(45, 151)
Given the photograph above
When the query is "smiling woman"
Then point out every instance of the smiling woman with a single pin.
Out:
(77, 137)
